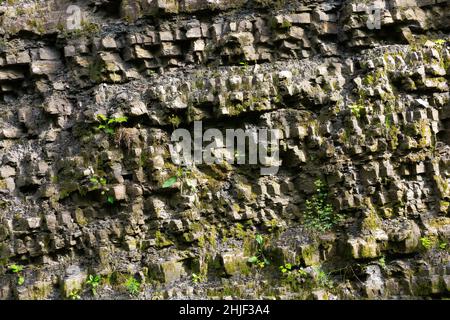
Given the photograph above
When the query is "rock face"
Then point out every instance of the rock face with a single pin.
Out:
(89, 98)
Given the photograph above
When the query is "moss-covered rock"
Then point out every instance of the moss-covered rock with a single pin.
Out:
(235, 263)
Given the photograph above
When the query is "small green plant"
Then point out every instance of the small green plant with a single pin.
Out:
(93, 281)
(440, 42)
(319, 214)
(37, 24)
(88, 29)
(197, 278)
(286, 268)
(302, 273)
(442, 245)
(20, 11)
(382, 262)
(387, 122)
(182, 175)
(74, 295)
(97, 183)
(17, 269)
(323, 279)
(170, 182)
(244, 65)
(110, 199)
(259, 259)
(356, 109)
(369, 79)
(293, 277)
(100, 183)
(133, 286)
(20, 280)
(426, 242)
(272, 225)
(175, 121)
(108, 125)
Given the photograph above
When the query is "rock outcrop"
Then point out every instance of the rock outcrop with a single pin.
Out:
(91, 92)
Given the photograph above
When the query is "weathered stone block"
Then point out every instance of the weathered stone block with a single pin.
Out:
(170, 49)
(300, 18)
(6, 74)
(364, 248)
(119, 192)
(310, 254)
(109, 43)
(49, 54)
(404, 237)
(44, 67)
(167, 271)
(235, 263)
(73, 281)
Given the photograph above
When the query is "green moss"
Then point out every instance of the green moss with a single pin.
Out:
(357, 109)
(428, 242)
(88, 29)
(79, 217)
(310, 254)
(201, 241)
(175, 121)
(278, 99)
(213, 263)
(439, 222)
(4, 254)
(369, 79)
(443, 206)
(286, 24)
(161, 240)
(41, 290)
(248, 244)
(392, 134)
(66, 188)
(369, 249)
(195, 233)
(37, 25)
(211, 237)
(442, 185)
(237, 265)
(238, 231)
(387, 212)
(371, 221)
(20, 11)
(344, 136)
(273, 226)
(422, 129)
(281, 27)
(236, 109)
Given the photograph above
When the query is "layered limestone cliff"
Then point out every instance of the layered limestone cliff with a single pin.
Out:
(92, 90)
